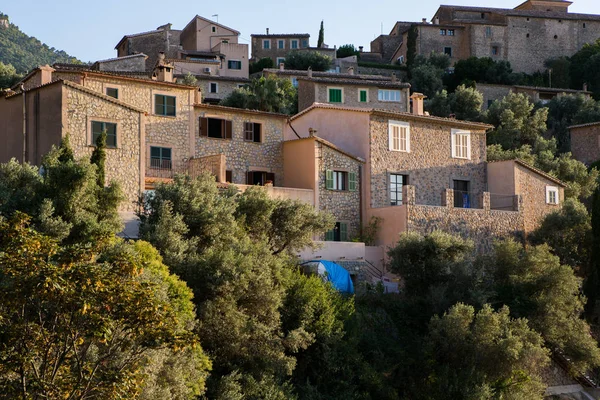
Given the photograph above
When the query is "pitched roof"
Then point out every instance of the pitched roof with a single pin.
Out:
(155, 31)
(322, 74)
(328, 144)
(584, 125)
(399, 115)
(533, 169)
(240, 110)
(360, 82)
(212, 22)
(281, 35)
(519, 13)
(121, 58)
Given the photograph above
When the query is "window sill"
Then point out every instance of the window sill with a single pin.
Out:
(165, 116)
(106, 147)
(214, 138)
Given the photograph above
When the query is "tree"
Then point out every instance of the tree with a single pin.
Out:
(81, 321)
(584, 66)
(347, 50)
(258, 66)
(321, 39)
(411, 46)
(98, 158)
(8, 75)
(481, 70)
(484, 355)
(593, 283)
(270, 94)
(303, 60)
(561, 72)
(190, 79)
(567, 110)
(426, 79)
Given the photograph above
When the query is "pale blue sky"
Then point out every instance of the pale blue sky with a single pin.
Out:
(89, 30)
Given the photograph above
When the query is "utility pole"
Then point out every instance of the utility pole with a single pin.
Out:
(24, 124)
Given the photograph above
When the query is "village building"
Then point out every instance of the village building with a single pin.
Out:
(277, 46)
(585, 142)
(493, 92)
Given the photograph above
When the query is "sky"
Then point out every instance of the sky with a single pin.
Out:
(89, 30)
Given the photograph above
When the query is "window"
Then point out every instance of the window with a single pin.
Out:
(252, 132)
(488, 31)
(224, 41)
(112, 92)
(396, 183)
(234, 64)
(305, 43)
(462, 196)
(443, 32)
(555, 36)
(363, 96)
(337, 234)
(213, 87)
(266, 44)
(495, 50)
(388, 95)
(281, 44)
(340, 180)
(551, 195)
(294, 81)
(448, 51)
(489, 103)
(528, 35)
(461, 144)
(259, 178)
(584, 24)
(280, 60)
(294, 43)
(111, 132)
(215, 128)
(335, 95)
(164, 105)
(213, 28)
(401, 60)
(160, 157)
(399, 133)
(229, 176)
(450, 32)
(483, 16)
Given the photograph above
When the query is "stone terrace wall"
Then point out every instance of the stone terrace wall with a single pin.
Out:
(585, 144)
(122, 163)
(481, 226)
(344, 205)
(214, 164)
(240, 155)
(429, 165)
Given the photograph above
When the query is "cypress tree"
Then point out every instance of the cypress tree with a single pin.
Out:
(66, 152)
(411, 46)
(321, 36)
(99, 157)
(593, 281)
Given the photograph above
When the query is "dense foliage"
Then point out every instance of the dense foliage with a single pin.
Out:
(25, 52)
(303, 60)
(347, 50)
(258, 66)
(270, 94)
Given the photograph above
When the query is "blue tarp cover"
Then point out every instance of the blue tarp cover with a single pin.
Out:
(338, 276)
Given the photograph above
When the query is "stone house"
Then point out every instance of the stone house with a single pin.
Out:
(151, 43)
(334, 177)
(353, 91)
(424, 173)
(492, 92)
(526, 36)
(277, 46)
(585, 142)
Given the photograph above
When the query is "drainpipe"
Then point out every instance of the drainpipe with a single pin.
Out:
(24, 124)
(290, 124)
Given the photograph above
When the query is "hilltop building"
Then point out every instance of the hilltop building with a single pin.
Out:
(277, 46)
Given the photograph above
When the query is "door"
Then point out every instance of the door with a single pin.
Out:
(462, 196)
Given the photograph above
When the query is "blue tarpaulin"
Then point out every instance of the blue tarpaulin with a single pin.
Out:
(337, 275)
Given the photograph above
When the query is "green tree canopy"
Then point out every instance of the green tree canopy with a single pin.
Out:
(258, 66)
(303, 60)
(347, 50)
(270, 94)
(8, 76)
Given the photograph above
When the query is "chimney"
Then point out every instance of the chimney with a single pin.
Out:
(436, 21)
(417, 103)
(46, 74)
(360, 49)
(394, 78)
(424, 20)
(267, 31)
(312, 132)
(310, 72)
(198, 96)
(585, 87)
(281, 66)
(163, 69)
(351, 70)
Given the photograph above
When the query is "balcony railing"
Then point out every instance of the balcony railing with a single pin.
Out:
(160, 168)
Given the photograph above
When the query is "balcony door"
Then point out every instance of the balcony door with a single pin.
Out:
(462, 195)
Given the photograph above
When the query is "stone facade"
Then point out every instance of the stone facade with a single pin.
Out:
(429, 164)
(316, 90)
(224, 87)
(163, 39)
(343, 204)
(274, 51)
(491, 93)
(242, 156)
(133, 63)
(585, 142)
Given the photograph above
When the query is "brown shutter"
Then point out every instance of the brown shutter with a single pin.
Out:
(228, 130)
(248, 131)
(203, 126)
(271, 177)
(249, 177)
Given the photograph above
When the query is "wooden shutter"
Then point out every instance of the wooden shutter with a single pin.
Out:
(203, 126)
(343, 232)
(248, 131)
(330, 236)
(352, 181)
(228, 129)
(329, 179)
(249, 178)
(271, 177)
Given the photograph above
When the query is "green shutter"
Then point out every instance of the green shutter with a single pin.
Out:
(330, 236)
(363, 96)
(352, 181)
(329, 179)
(335, 95)
(343, 232)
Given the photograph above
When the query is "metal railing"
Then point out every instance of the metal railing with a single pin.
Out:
(160, 168)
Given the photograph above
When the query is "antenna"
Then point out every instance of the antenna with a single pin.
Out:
(382, 28)
(216, 15)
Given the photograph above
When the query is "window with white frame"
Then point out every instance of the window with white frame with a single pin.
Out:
(388, 95)
(266, 44)
(399, 136)
(551, 195)
(281, 44)
(213, 87)
(294, 44)
(461, 144)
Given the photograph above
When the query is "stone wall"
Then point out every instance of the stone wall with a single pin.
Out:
(306, 94)
(491, 93)
(242, 156)
(532, 187)
(343, 204)
(214, 164)
(130, 64)
(386, 45)
(430, 40)
(273, 52)
(350, 97)
(122, 162)
(400, 74)
(429, 165)
(224, 87)
(151, 44)
(585, 143)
